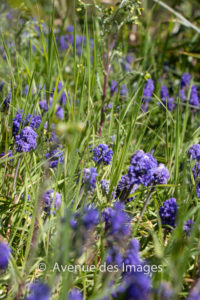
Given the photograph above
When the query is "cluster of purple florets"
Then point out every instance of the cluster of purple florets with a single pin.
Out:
(166, 99)
(67, 40)
(194, 154)
(114, 89)
(20, 121)
(103, 154)
(5, 252)
(26, 140)
(75, 294)
(89, 178)
(168, 212)
(88, 218)
(52, 201)
(147, 94)
(55, 157)
(39, 291)
(165, 92)
(117, 222)
(143, 169)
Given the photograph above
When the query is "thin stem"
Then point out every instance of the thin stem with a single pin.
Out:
(146, 202)
(16, 173)
(104, 89)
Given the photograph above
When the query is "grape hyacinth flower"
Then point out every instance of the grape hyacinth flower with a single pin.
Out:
(194, 98)
(168, 212)
(185, 80)
(105, 185)
(102, 153)
(89, 178)
(5, 252)
(195, 292)
(135, 285)
(188, 226)
(49, 198)
(63, 97)
(166, 99)
(196, 170)
(113, 87)
(114, 257)
(194, 151)
(1, 86)
(90, 216)
(117, 222)
(55, 157)
(39, 291)
(26, 140)
(160, 175)
(125, 188)
(6, 102)
(60, 113)
(6, 154)
(18, 121)
(198, 190)
(141, 169)
(132, 256)
(123, 90)
(147, 94)
(75, 294)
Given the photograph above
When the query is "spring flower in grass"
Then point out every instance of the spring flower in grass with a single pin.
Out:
(195, 292)
(132, 256)
(166, 99)
(102, 153)
(128, 62)
(182, 95)
(160, 175)
(113, 87)
(185, 80)
(123, 90)
(44, 106)
(49, 198)
(6, 154)
(117, 222)
(141, 168)
(39, 291)
(1, 86)
(105, 186)
(90, 216)
(19, 122)
(135, 286)
(55, 157)
(194, 98)
(60, 113)
(188, 226)
(196, 170)
(114, 257)
(63, 97)
(26, 140)
(75, 294)
(89, 178)
(5, 252)
(33, 121)
(168, 212)
(6, 102)
(147, 94)
(194, 151)
(164, 292)
(125, 187)
(198, 190)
